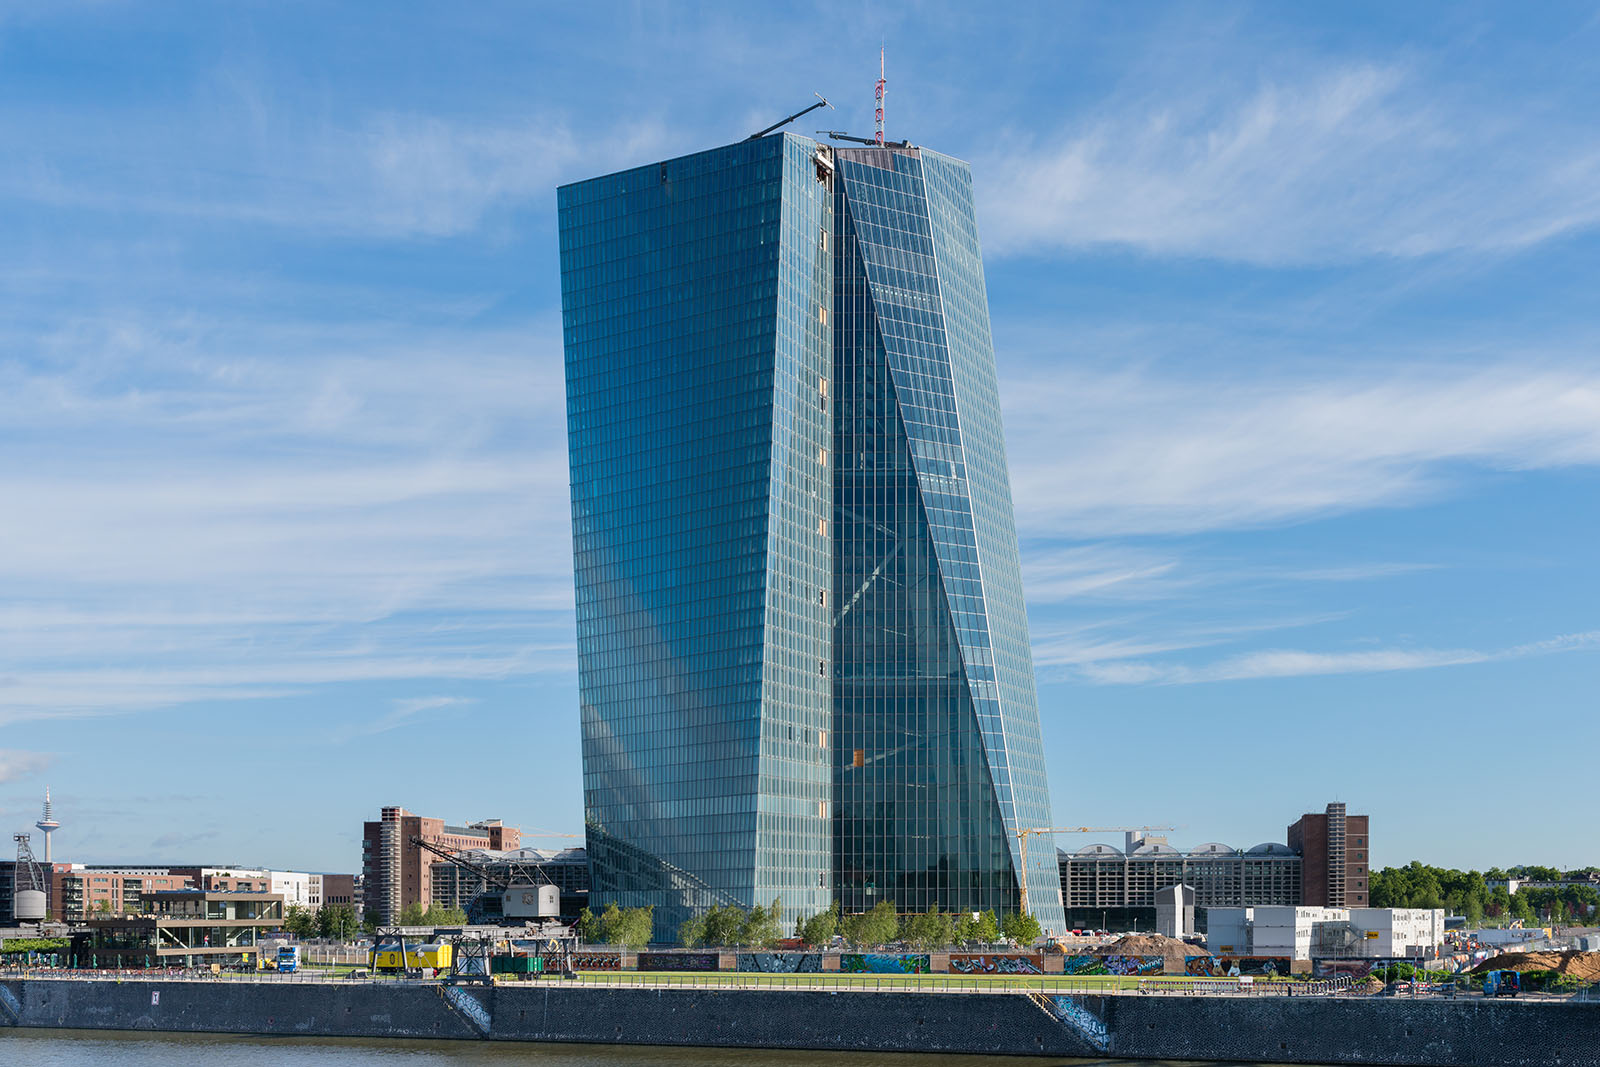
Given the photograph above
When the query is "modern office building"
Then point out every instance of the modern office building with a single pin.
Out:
(803, 662)
(935, 711)
(182, 928)
(1334, 846)
(1105, 885)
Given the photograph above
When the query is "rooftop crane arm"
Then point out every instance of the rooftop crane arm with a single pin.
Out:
(822, 101)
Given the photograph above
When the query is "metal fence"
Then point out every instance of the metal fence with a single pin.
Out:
(1008, 985)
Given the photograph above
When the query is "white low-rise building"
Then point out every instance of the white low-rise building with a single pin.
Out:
(1398, 933)
(1303, 933)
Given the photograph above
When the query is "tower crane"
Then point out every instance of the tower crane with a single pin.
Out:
(1024, 834)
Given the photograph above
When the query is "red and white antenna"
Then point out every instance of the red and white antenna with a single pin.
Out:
(879, 95)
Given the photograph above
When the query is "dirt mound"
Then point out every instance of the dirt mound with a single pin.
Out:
(1584, 966)
(1149, 945)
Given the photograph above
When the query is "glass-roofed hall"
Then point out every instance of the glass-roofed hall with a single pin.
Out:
(803, 656)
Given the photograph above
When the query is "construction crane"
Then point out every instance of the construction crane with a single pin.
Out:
(836, 135)
(1024, 834)
(822, 101)
(523, 876)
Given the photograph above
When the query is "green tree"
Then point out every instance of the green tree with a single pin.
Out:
(930, 930)
(1022, 928)
(590, 932)
(692, 931)
(724, 925)
(412, 914)
(761, 927)
(873, 928)
(966, 930)
(634, 928)
(300, 921)
(611, 924)
(437, 915)
(336, 921)
(988, 928)
(819, 929)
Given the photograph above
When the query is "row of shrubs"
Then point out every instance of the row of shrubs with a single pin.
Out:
(759, 927)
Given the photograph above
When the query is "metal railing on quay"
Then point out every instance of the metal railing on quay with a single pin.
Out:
(831, 982)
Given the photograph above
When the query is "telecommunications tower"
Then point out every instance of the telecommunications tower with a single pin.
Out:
(47, 824)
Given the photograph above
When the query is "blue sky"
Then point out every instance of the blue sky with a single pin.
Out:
(1295, 311)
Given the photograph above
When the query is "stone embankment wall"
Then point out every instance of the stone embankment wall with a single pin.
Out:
(1438, 1033)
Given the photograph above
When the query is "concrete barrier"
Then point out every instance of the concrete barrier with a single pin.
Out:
(1321, 1030)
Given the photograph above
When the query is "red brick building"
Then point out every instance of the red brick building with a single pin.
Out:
(1333, 849)
(396, 871)
(79, 891)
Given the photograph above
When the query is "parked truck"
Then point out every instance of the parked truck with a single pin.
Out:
(1502, 984)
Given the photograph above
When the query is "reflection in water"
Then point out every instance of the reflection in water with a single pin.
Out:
(111, 1048)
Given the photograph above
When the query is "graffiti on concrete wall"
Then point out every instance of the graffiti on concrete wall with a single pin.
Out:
(1084, 965)
(781, 962)
(1343, 968)
(1253, 966)
(678, 961)
(994, 964)
(1202, 966)
(1121, 965)
(596, 961)
(1135, 964)
(1084, 1021)
(874, 963)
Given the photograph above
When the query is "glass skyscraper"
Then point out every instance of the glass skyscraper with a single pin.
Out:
(803, 657)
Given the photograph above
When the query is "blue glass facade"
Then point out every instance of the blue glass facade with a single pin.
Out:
(803, 658)
(935, 709)
(695, 303)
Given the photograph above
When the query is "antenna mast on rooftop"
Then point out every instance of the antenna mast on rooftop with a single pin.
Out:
(878, 117)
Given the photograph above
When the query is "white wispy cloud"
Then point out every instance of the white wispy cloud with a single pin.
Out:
(250, 157)
(1110, 639)
(1067, 572)
(404, 712)
(209, 510)
(1132, 453)
(16, 765)
(1293, 663)
(1337, 162)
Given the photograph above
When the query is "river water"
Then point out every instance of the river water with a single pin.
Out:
(109, 1048)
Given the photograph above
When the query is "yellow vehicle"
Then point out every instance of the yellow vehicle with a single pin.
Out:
(385, 956)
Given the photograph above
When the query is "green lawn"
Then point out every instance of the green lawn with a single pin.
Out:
(831, 980)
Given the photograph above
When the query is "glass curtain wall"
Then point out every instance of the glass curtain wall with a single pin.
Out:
(695, 297)
(940, 756)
